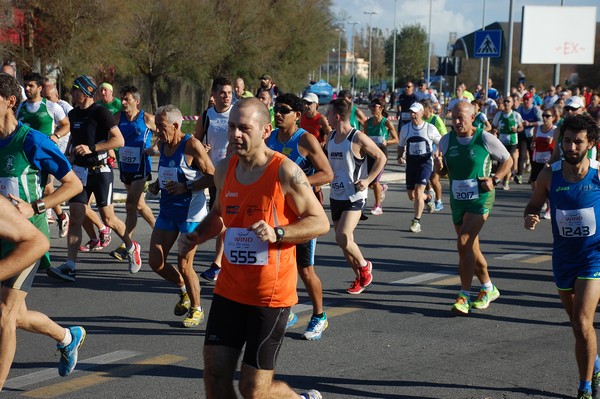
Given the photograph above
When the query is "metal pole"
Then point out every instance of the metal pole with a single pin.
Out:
(339, 68)
(429, 45)
(482, 28)
(557, 66)
(394, 54)
(328, 65)
(508, 67)
(353, 68)
(370, 37)
(487, 77)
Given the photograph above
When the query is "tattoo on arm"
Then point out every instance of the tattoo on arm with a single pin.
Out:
(299, 178)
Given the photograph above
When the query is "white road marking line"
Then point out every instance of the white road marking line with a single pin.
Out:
(520, 255)
(48, 374)
(422, 277)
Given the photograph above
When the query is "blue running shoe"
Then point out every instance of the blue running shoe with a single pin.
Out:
(438, 205)
(292, 319)
(212, 273)
(68, 354)
(315, 328)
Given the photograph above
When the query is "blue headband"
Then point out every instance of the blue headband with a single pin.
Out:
(85, 84)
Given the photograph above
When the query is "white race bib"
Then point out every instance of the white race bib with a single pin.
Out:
(243, 247)
(576, 222)
(341, 188)
(81, 173)
(529, 132)
(165, 175)
(417, 148)
(505, 138)
(130, 155)
(465, 190)
(9, 185)
(541, 156)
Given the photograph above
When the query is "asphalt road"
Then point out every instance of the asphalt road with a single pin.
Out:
(396, 340)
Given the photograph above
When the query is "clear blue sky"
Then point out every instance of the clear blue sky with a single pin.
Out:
(460, 16)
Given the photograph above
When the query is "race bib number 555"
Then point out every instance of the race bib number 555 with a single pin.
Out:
(243, 247)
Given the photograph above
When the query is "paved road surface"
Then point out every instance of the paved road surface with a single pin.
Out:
(396, 340)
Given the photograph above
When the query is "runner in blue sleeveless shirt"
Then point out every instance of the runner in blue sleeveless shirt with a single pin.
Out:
(135, 163)
(184, 171)
(573, 187)
(304, 149)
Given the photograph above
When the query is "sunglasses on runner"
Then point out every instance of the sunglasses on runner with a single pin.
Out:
(282, 110)
(547, 116)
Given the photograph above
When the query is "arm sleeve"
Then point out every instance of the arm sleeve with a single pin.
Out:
(495, 147)
(496, 119)
(403, 134)
(433, 133)
(518, 117)
(44, 155)
(443, 144)
(56, 111)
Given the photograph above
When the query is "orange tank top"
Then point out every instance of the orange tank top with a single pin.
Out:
(312, 126)
(256, 273)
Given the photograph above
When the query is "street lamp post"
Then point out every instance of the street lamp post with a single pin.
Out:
(394, 54)
(353, 72)
(429, 46)
(481, 59)
(339, 67)
(328, 65)
(370, 13)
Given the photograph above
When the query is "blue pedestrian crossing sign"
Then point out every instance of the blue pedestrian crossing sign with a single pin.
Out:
(488, 43)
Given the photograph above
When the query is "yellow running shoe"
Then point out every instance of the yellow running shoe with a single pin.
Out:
(193, 318)
(485, 298)
(462, 306)
(183, 306)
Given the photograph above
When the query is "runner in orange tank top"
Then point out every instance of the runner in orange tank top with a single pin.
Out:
(265, 206)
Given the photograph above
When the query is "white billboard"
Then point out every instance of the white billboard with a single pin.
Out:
(558, 35)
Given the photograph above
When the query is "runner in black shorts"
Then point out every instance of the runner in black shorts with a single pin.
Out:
(93, 133)
(340, 206)
(261, 329)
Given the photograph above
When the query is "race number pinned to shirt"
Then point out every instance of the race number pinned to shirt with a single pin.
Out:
(465, 190)
(130, 155)
(9, 185)
(81, 173)
(576, 222)
(165, 175)
(243, 247)
(416, 148)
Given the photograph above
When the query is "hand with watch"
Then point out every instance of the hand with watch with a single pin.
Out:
(279, 233)
(26, 209)
(38, 207)
(265, 232)
(488, 183)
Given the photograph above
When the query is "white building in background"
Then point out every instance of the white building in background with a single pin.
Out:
(348, 63)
